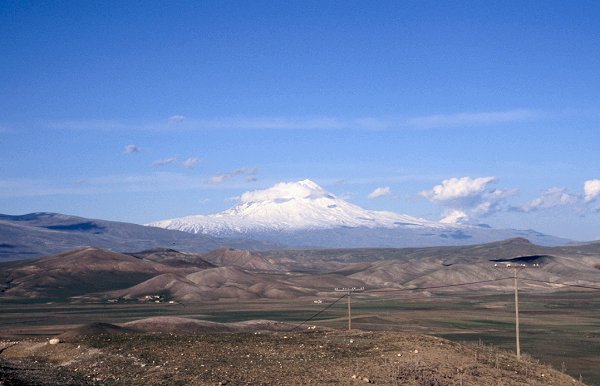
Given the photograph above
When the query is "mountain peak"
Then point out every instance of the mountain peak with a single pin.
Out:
(302, 213)
(518, 241)
(290, 206)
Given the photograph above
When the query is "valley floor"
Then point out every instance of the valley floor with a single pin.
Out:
(561, 329)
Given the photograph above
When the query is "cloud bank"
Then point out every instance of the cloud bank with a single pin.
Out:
(249, 173)
(472, 119)
(550, 198)
(466, 198)
(433, 121)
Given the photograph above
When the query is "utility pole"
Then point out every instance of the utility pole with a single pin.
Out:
(348, 293)
(516, 268)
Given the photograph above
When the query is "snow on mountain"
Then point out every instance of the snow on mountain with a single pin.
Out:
(291, 206)
(302, 214)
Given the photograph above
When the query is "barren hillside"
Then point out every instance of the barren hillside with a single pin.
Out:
(276, 358)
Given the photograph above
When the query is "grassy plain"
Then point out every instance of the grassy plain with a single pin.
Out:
(561, 329)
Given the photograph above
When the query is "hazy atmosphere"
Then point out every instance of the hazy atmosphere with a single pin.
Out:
(471, 112)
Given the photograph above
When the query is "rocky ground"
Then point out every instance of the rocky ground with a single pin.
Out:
(267, 358)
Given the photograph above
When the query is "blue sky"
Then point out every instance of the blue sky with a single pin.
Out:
(486, 112)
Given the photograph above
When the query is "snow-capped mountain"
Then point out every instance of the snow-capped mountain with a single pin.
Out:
(290, 206)
(304, 214)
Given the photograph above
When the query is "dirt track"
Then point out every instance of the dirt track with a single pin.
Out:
(279, 358)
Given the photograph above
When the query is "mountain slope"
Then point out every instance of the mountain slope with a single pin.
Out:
(290, 206)
(302, 214)
(40, 234)
(76, 272)
(173, 258)
(240, 258)
(225, 283)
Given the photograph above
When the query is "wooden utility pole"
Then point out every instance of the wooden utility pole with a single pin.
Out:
(516, 268)
(348, 293)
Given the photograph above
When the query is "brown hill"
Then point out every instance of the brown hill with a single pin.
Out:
(77, 272)
(553, 273)
(94, 329)
(328, 259)
(171, 324)
(233, 282)
(240, 258)
(173, 258)
(217, 283)
(277, 358)
(218, 277)
(169, 285)
(324, 282)
(91, 270)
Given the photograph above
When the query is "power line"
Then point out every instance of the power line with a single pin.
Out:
(394, 290)
(516, 268)
(390, 290)
(319, 313)
(348, 292)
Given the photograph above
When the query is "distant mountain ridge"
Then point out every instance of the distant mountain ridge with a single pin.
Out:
(303, 214)
(43, 233)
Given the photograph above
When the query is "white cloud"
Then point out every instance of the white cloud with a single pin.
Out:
(131, 149)
(181, 122)
(249, 173)
(101, 184)
(458, 189)
(284, 190)
(380, 192)
(550, 198)
(454, 216)
(175, 119)
(164, 161)
(493, 201)
(129, 183)
(272, 123)
(591, 190)
(190, 163)
(365, 123)
(473, 119)
(468, 198)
